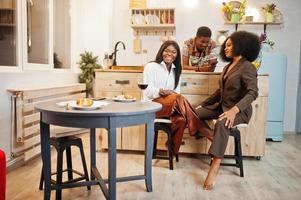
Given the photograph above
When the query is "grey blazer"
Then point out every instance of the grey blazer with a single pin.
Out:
(239, 89)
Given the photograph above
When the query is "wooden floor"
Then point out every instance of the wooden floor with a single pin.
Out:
(276, 176)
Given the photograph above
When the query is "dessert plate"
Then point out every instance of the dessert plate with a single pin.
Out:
(123, 99)
(94, 106)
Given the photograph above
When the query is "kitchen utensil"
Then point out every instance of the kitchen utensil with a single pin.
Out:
(137, 44)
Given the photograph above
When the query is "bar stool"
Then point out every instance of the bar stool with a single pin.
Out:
(164, 125)
(61, 144)
(234, 131)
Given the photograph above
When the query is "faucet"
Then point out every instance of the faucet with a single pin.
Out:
(114, 54)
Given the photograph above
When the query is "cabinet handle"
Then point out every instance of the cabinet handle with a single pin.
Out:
(184, 84)
(256, 105)
(124, 82)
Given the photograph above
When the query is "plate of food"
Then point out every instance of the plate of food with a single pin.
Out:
(87, 104)
(124, 98)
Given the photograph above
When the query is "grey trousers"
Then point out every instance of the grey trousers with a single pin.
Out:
(221, 132)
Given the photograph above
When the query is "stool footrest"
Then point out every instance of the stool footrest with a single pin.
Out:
(230, 164)
(161, 157)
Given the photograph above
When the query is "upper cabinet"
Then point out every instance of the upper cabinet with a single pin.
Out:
(153, 19)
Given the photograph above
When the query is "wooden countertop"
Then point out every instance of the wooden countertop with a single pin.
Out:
(184, 72)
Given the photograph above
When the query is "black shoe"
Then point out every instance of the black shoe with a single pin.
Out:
(198, 136)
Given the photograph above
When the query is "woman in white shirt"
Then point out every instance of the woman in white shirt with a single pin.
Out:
(163, 77)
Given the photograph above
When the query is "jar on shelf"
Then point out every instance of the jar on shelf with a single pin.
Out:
(269, 17)
(235, 17)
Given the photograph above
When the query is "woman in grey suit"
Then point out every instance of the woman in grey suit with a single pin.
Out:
(231, 103)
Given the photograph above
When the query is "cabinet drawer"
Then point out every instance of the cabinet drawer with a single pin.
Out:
(213, 83)
(194, 84)
(116, 81)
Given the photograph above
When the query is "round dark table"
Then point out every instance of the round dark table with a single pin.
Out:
(110, 117)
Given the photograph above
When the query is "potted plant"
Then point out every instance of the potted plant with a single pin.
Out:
(56, 61)
(88, 64)
(266, 45)
(234, 10)
(269, 9)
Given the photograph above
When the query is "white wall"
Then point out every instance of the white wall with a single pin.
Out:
(188, 19)
(91, 27)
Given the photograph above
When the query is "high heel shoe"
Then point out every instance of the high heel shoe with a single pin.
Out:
(198, 136)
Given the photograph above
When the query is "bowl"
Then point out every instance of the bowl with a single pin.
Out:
(84, 102)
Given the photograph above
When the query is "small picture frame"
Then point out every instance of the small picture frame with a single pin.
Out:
(249, 19)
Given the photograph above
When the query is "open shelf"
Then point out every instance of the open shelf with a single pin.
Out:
(4, 24)
(153, 19)
(7, 17)
(265, 24)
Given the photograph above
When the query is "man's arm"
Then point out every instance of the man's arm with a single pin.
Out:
(206, 68)
(185, 63)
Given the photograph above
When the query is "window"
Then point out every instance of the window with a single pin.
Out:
(35, 34)
(61, 34)
(8, 33)
(38, 31)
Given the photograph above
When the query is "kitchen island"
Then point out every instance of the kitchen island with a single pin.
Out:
(195, 86)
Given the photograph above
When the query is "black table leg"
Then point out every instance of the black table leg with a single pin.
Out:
(92, 152)
(112, 162)
(45, 153)
(149, 138)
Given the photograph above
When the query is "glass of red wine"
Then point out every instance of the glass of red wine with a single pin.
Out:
(142, 84)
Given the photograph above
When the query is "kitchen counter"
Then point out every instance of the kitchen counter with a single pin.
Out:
(196, 87)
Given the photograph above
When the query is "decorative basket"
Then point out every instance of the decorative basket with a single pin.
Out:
(235, 4)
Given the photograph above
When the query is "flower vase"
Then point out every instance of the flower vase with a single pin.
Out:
(258, 60)
(234, 17)
(269, 17)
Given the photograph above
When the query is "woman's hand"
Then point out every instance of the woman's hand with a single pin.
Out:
(164, 93)
(198, 107)
(229, 116)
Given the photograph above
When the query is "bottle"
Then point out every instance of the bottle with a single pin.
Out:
(105, 61)
(110, 61)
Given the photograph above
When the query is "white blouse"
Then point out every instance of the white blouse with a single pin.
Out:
(158, 77)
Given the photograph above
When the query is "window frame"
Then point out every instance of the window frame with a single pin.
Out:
(21, 42)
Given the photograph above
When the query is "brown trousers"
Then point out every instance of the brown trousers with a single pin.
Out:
(221, 132)
(182, 115)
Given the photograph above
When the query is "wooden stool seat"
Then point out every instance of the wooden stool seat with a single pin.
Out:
(164, 125)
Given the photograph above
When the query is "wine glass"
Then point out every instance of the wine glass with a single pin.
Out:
(142, 84)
